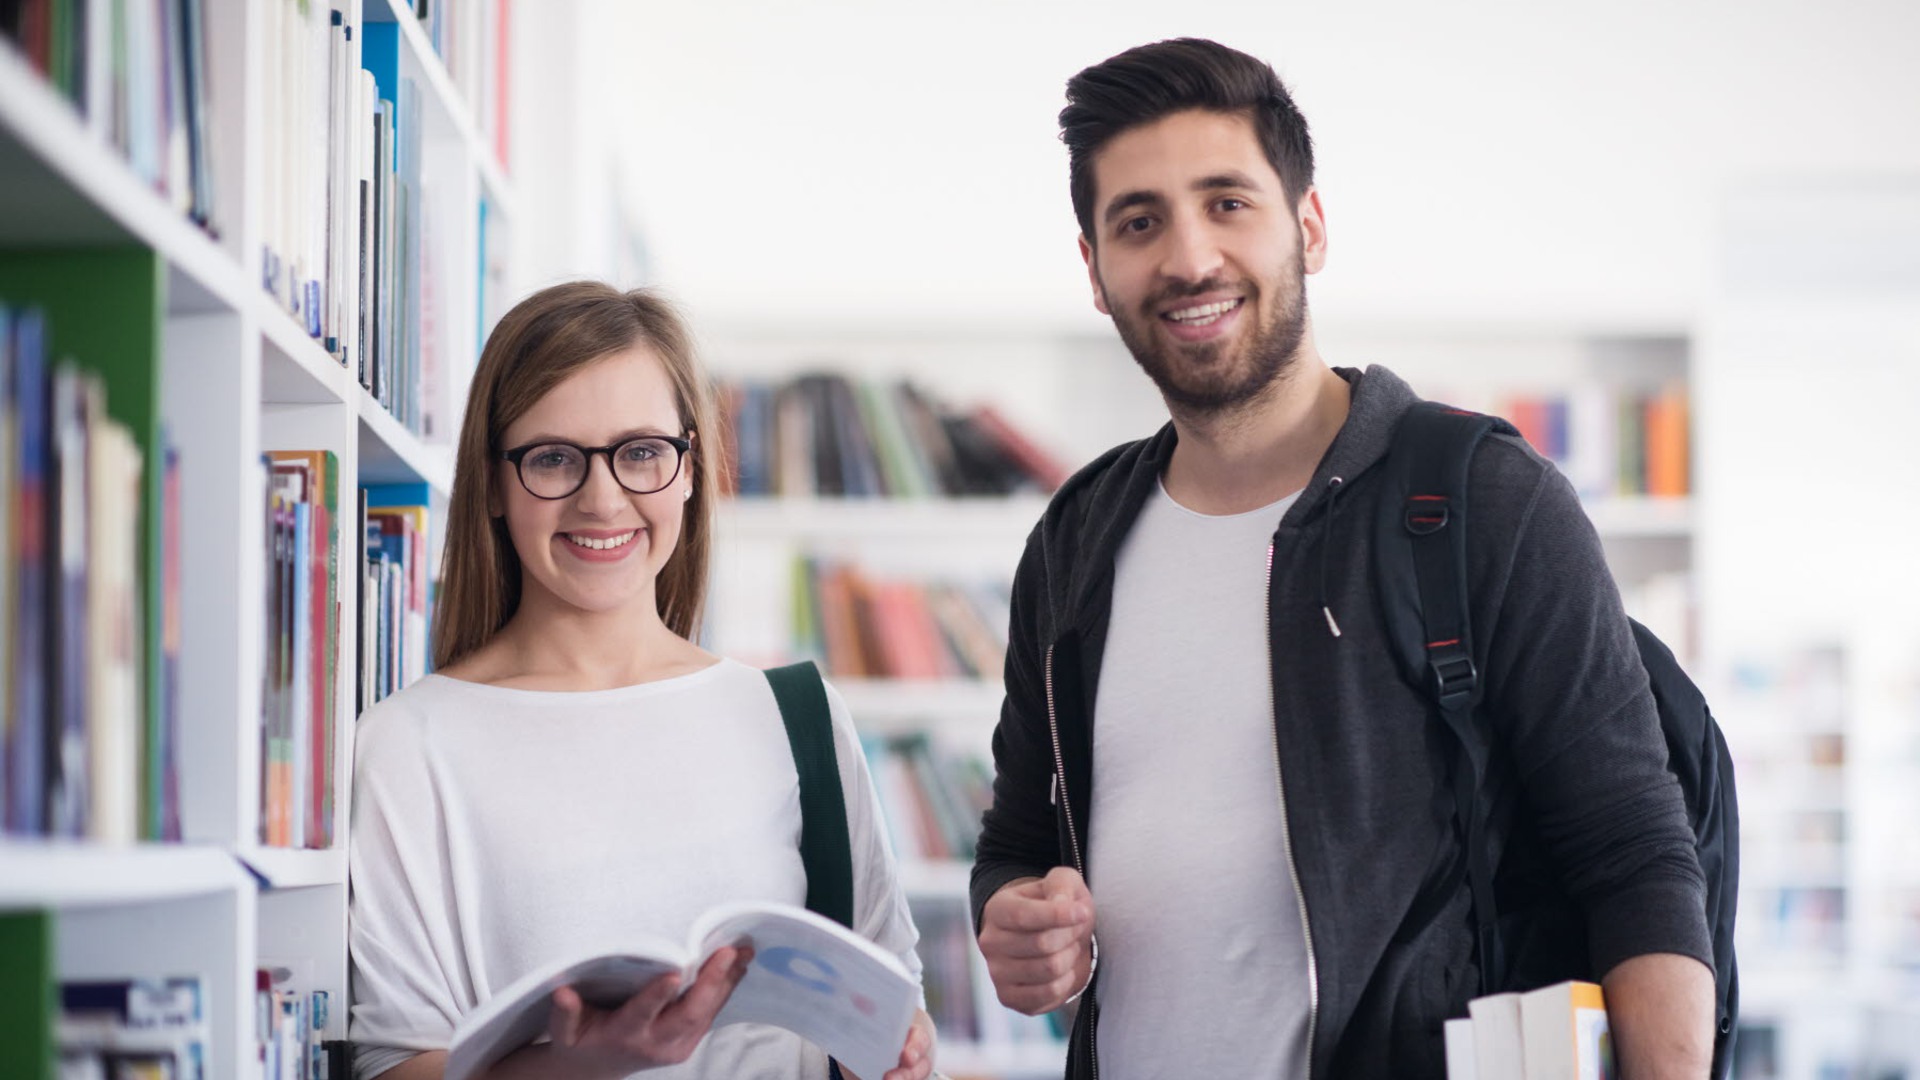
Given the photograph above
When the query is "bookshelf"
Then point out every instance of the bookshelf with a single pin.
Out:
(198, 355)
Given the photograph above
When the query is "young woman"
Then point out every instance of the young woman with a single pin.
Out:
(578, 770)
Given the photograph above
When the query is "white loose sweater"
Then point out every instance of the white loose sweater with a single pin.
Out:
(495, 830)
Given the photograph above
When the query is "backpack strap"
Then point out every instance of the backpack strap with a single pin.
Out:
(825, 849)
(1423, 580)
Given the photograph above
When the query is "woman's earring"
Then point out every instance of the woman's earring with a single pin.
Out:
(687, 494)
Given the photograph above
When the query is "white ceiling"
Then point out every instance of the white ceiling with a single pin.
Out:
(891, 163)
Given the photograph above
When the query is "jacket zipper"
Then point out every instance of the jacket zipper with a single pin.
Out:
(1286, 830)
(1060, 770)
(1073, 835)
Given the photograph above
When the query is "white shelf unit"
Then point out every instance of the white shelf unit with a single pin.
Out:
(237, 377)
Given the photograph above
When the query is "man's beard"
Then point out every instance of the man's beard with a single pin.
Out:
(1202, 379)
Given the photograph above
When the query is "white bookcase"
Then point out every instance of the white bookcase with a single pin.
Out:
(239, 376)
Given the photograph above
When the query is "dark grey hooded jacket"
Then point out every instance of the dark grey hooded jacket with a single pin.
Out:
(1362, 761)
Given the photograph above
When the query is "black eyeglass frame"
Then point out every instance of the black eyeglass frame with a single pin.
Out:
(681, 446)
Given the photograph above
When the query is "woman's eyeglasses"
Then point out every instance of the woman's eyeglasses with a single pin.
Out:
(555, 470)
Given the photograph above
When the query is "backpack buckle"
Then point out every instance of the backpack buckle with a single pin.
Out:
(1454, 678)
(1426, 514)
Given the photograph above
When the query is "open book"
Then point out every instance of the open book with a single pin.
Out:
(809, 975)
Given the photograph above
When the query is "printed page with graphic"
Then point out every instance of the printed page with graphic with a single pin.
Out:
(809, 975)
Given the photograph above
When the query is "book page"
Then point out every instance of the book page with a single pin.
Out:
(518, 1014)
(818, 980)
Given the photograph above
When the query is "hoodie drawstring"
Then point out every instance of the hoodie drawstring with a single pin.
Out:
(1326, 545)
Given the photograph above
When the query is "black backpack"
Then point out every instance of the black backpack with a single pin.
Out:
(1528, 933)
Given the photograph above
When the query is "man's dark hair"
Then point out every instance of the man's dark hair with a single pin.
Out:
(1148, 82)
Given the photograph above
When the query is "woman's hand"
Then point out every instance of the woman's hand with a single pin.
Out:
(916, 1057)
(657, 1026)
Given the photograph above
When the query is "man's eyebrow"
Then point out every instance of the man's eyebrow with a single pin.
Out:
(1226, 180)
(1123, 203)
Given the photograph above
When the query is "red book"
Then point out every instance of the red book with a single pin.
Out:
(1027, 454)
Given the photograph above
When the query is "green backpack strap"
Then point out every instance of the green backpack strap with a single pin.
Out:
(825, 850)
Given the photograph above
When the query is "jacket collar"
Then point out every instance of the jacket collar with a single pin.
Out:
(1085, 523)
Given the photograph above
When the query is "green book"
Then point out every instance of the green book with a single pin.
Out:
(28, 995)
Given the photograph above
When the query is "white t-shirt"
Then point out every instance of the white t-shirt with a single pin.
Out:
(1203, 965)
(496, 829)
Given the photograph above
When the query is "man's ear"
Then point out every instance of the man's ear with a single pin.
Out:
(1093, 277)
(1312, 218)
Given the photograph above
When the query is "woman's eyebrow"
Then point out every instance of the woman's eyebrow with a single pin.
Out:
(643, 431)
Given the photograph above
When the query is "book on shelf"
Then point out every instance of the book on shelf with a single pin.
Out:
(831, 435)
(865, 627)
(29, 1000)
(84, 755)
(1557, 1032)
(395, 608)
(809, 975)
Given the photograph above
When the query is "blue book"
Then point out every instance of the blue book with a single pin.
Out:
(9, 455)
(27, 750)
(68, 771)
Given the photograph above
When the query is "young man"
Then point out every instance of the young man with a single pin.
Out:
(1213, 787)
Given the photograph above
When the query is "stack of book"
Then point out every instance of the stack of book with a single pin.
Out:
(346, 233)
(298, 695)
(1557, 1032)
(865, 627)
(394, 600)
(288, 1028)
(84, 754)
(1610, 441)
(830, 435)
(137, 73)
